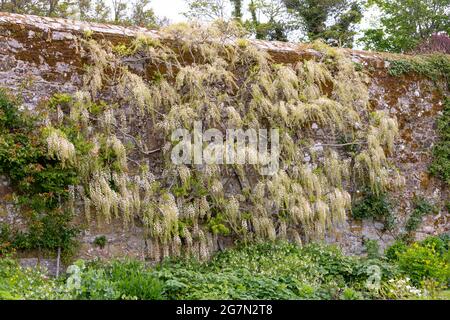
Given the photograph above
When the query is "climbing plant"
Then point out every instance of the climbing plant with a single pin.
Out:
(421, 208)
(434, 66)
(441, 151)
(115, 133)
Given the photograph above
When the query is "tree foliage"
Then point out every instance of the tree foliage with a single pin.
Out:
(278, 21)
(275, 19)
(208, 10)
(135, 12)
(407, 23)
(331, 20)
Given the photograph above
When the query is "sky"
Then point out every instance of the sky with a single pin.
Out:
(172, 9)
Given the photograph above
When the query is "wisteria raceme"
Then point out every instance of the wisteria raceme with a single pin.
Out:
(61, 148)
(226, 83)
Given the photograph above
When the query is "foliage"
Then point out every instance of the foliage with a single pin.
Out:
(40, 181)
(237, 10)
(375, 206)
(435, 67)
(269, 19)
(187, 207)
(440, 165)
(275, 19)
(317, 14)
(406, 23)
(421, 208)
(18, 283)
(61, 100)
(261, 271)
(100, 241)
(264, 271)
(278, 21)
(424, 261)
(126, 280)
(48, 231)
(372, 248)
(142, 16)
(394, 250)
(6, 246)
(115, 11)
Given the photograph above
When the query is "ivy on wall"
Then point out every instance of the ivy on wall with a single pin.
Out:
(440, 165)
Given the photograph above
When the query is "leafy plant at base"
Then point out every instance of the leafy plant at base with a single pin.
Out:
(423, 261)
(260, 271)
(17, 283)
(394, 250)
(372, 248)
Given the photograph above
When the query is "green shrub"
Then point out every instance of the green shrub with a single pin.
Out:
(62, 100)
(351, 294)
(48, 231)
(40, 182)
(260, 271)
(438, 243)
(17, 283)
(100, 241)
(6, 239)
(263, 271)
(393, 251)
(445, 237)
(421, 262)
(115, 280)
(132, 280)
(375, 206)
(372, 248)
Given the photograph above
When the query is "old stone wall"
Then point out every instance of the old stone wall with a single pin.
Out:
(41, 56)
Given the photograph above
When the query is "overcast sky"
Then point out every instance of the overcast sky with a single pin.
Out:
(172, 9)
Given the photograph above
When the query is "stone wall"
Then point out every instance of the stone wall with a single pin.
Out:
(41, 56)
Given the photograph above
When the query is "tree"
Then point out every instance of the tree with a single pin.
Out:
(51, 8)
(101, 11)
(141, 16)
(406, 23)
(84, 9)
(277, 20)
(208, 10)
(269, 19)
(331, 20)
(13, 6)
(237, 11)
(119, 10)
